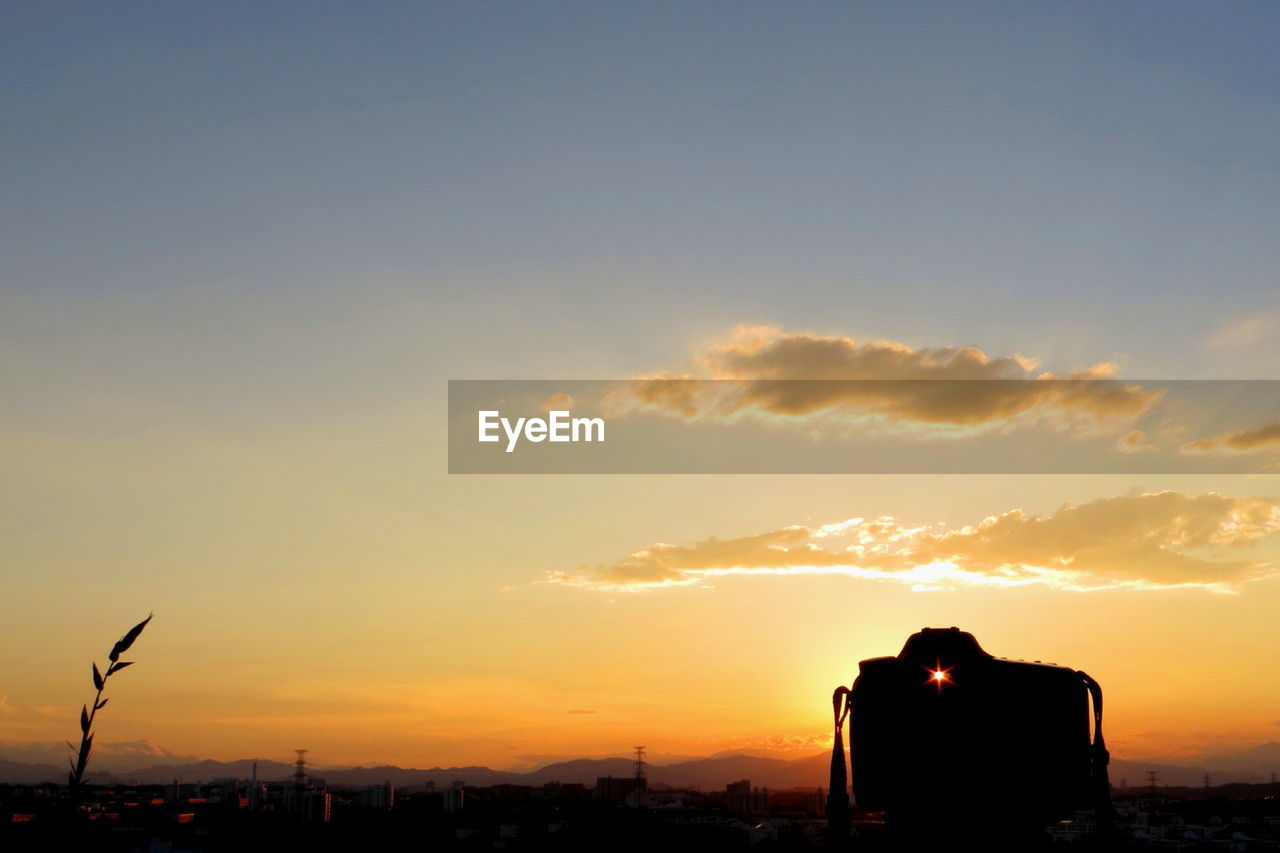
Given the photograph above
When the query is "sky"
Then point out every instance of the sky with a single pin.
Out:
(245, 248)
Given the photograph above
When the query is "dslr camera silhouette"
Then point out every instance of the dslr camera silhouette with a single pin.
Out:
(947, 740)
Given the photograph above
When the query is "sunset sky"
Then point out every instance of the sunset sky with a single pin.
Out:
(245, 249)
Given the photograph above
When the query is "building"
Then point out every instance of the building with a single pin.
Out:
(455, 796)
(741, 798)
(617, 789)
(379, 796)
(312, 804)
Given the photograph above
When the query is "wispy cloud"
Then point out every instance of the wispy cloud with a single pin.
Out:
(894, 386)
(146, 748)
(121, 753)
(557, 401)
(1243, 334)
(1134, 441)
(1263, 439)
(1159, 540)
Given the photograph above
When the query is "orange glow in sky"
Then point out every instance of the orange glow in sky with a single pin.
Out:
(240, 273)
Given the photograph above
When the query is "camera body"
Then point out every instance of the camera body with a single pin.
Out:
(946, 732)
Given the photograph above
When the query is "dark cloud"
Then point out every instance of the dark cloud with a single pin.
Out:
(886, 382)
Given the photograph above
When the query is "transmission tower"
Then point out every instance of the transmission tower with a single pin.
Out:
(1151, 781)
(640, 765)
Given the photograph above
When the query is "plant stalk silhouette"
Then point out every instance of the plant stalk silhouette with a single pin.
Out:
(76, 777)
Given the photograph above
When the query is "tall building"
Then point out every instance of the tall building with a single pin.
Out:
(741, 798)
(255, 790)
(314, 804)
(379, 796)
(455, 796)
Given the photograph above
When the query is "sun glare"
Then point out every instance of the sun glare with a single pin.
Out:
(938, 675)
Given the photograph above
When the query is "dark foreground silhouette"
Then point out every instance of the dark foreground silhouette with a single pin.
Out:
(953, 744)
(951, 748)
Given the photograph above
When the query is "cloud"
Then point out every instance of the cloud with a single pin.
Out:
(5, 707)
(136, 747)
(1156, 540)
(778, 746)
(1133, 441)
(559, 401)
(107, 755)
(882, 383)
(1261, 439)
(1242, 334)
(582, 711)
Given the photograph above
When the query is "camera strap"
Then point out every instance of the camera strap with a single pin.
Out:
(838, 794)
(1099, 757)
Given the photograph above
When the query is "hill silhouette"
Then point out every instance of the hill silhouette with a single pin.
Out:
(1253, 765)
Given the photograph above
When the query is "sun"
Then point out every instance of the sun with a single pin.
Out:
(939, 676)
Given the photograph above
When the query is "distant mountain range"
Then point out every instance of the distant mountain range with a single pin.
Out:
(1253, 765)
(705, 773)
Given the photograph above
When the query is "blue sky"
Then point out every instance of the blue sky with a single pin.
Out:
(1075, 169)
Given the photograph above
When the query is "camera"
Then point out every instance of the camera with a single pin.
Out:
(947, 739)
